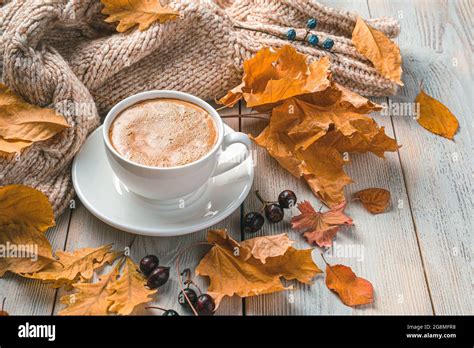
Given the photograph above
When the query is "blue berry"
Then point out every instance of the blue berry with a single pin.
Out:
(312, 23)
(291, 34)
(313, 40)
(327, 44)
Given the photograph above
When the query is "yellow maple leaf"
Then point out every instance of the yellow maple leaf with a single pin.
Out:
(379, 49)
(22, 124)
(136, 12)
(253, 267)
(129, 290)
(436, 117)
(25, 214)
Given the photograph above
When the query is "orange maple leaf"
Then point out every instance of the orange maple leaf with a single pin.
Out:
(320, 228)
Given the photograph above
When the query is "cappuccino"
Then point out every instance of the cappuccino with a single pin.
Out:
(163, 132)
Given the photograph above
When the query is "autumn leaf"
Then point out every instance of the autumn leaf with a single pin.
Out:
(375, 200)
(379, 49)
(136, 12)
(91, 298)
(352, 290)
(25, 214)
(320, 228)
(311, 140)
(129, 290)
(73, 266)
(238, 269)
(22, 124)
(436, 117)
(273, 76)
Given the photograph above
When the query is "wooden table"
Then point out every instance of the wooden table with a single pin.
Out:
(417, 255)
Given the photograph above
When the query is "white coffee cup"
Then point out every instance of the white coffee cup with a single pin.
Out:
(165, 183)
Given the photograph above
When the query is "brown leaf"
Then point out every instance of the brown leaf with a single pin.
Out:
(352, 290)
(234, 270)
(436, 117)
(74, 266)
(91, 298)
(25, 214)
(22, 124)
(375, 200)
(136, 12)
(379, 49)
(129, 290)
(320, 228)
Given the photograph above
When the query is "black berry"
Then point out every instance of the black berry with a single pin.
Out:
(191, 295)
(158, 277)
(148, 264)
(170, 313)
(287, 199)
(205, 305)
(253, 222)
(274, 212)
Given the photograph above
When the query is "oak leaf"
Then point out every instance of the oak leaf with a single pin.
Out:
(90, 298)
(375, 200)
(379, 49)
(71, 267)
(320, 228)
(352, 290)
(25, 214)
(436, 117)
(136, 12)
(129, 290)
(22, 124)
(238, 269)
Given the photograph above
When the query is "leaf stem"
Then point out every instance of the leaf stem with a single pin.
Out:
(260, 198)
(3, 303)
(327, 264)
(155, 307)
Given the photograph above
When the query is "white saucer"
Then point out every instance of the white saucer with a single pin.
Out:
(109, 200)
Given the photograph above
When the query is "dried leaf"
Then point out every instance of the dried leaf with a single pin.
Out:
(91, 298)
(25, 214)
(320, 228)
(22, 124)
(273, 76)
(352, 290)
(436, 117)
(73, 266)
(375, 200)
(233, 268)
(136, 12)
(379, 49)
(267, 246)
(309, 140)
(129, 290)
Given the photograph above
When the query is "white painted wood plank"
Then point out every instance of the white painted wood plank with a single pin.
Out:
(391, 259)
(435, 43)
(29, 296)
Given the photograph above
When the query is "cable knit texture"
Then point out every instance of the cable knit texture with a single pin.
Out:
(61, 54)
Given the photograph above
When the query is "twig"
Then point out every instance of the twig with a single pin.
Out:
(179, 274)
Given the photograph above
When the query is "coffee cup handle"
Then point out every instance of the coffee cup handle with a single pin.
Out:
(228, 164)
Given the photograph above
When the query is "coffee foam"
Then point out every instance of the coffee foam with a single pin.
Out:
(163, 133)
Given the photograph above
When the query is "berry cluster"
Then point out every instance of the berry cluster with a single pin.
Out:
(156, 275)
(203, 304)
(274, 212)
